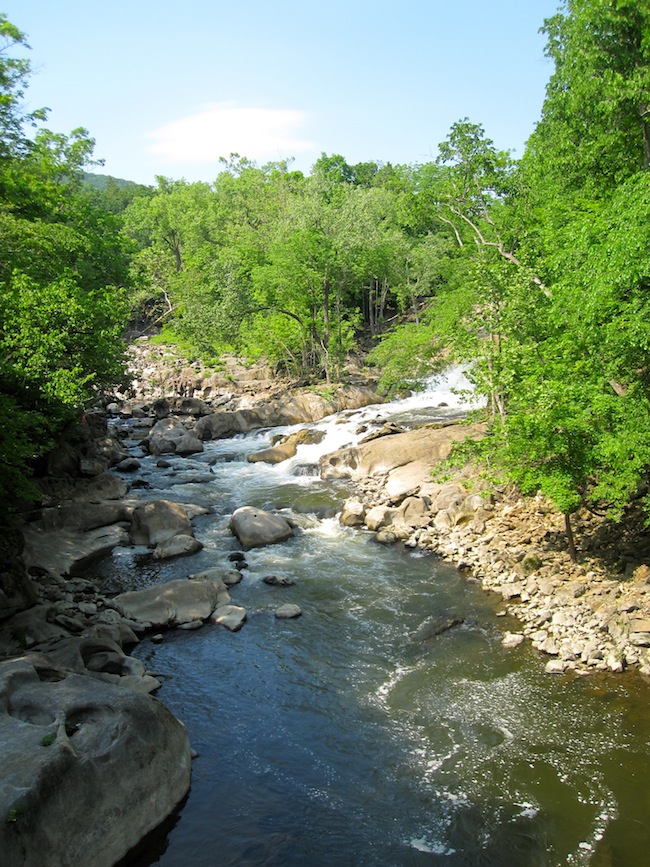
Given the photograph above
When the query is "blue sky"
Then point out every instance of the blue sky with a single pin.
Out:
(166, 88)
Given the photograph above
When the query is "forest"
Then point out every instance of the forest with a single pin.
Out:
(535, 273)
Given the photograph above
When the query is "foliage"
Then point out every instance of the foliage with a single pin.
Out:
(63, 263)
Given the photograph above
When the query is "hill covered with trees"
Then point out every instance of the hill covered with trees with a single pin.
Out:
(535, 274)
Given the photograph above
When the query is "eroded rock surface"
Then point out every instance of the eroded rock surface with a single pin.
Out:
(89, 768)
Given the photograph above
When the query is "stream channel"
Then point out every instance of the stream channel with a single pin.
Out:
(339, 738)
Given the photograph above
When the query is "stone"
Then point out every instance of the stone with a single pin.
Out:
(288, 611)
(194, 406)
(228, 576)
(178, 546)
(92, 466)
(450, 497)
(278, 581)
(512, 639)
(230, 616)
(287, 447)
(191, 625)
(158, 521)
(256, 528)
(426, 446)
(70, 553)
(120, 760)
(173, 603)
(128, 465)
(169, 436)
(556, 666)
(379, 516)
(353, 513)
(641, 624)
(415, 511)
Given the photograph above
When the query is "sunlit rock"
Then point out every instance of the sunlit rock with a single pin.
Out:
(255, 528)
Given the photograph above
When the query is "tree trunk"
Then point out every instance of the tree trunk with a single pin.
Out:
(569, 538)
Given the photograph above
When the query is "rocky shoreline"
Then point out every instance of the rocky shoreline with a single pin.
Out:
(591, 615)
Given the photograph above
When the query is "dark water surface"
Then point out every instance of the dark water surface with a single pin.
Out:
(340, 738)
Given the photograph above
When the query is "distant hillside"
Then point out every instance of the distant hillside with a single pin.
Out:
(116, 194)
(101, 182)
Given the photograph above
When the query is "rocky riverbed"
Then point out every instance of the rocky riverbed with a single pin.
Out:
(69, 678)
(75, 706)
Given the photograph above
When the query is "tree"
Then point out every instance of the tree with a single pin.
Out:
(62, 268)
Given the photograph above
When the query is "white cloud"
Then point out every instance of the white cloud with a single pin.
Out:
(222, 128)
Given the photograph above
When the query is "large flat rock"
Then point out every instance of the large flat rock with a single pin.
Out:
(407, 458)
(67, 552)
(173, 603)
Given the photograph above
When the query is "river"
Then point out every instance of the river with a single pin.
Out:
(342, 738)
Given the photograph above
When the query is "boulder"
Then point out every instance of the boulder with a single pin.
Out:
(415, 511)
(83, 516)
(218, 573)
(89, 768)
(194, 406)
(288, 611)
(232, 617)
(287, 447)
(379, 516)
(158, 521)
(169, 436)
(256, 528)
(178, 546)
(278, 581)
(173, 603)
(353, 513)
(70, 553)
(423, 448)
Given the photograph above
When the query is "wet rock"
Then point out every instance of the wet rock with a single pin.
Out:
(173, 603)
(434, 626)
(178, 546)
(287, 447)
(158, 521)
(278, 581)
(232, 617)
(128, 465)
(288, 611)
(70, 553)
(169, 436)
(512, 639)
(256, 528)
(556, 666)
(229, 577)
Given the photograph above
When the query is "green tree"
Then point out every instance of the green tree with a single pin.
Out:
(62, 268)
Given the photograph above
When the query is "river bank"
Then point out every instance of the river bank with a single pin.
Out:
(591, 615)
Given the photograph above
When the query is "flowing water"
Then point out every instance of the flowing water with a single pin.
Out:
(345, 738)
